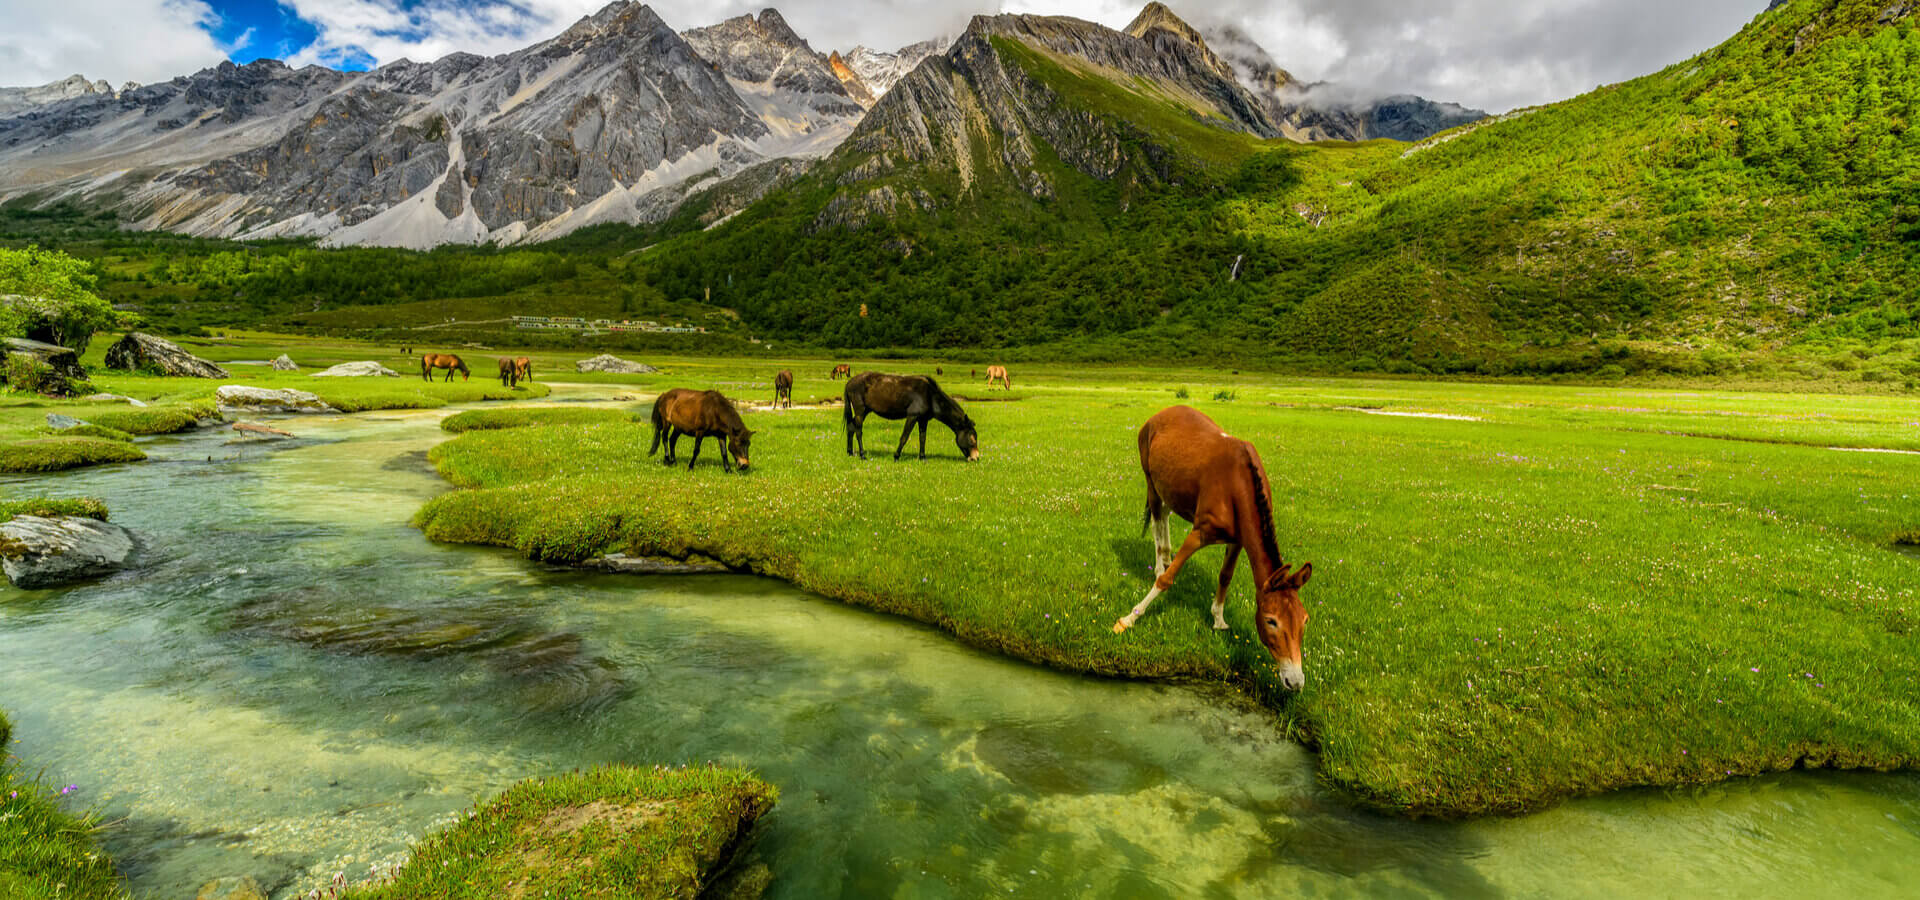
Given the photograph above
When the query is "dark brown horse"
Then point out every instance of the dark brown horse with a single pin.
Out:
(1218, 483)
(703, 414)
(447, 361)
(916, 398)
(842, 370)
(783, 389)
(509, 374)
(522, 369)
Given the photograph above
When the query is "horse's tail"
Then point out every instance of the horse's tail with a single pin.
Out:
(1146, 515)
(659, 426)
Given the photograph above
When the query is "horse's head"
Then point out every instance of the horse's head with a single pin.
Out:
(738, 443)
(968, 439)
(1281, 620)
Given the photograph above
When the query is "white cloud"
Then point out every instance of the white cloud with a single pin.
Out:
(115, 40)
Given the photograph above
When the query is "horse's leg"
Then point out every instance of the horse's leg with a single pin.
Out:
(673, 444)
(903, 439)
(696, 451)
(1160, 585)
(1226, 578)
(860, 434)
(1162, 537)
(923, 438)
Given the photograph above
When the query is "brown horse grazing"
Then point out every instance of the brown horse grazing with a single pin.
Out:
(842, 370)
(783, 389)
(915, 398)
(998, 373)
(447, 361)
(703, 414)
(522, 369)
(509, 373)
(1218, 483)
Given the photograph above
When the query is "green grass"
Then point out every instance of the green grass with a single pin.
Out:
(57, 454)
(93, 431)
(498, 419)
(1555, 601)
(46, 852)
(87, 507)
(618, 831)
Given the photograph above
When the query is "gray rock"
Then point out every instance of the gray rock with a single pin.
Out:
(607, 362)
(363, 369)
(62, 423)
(622, 564)
(285, 363)
(137, 352)
(113, 398)
(241, 887)
(253, 399)
(62, 360)
(41, 552)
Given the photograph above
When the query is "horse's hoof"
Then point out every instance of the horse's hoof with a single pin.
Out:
(1220, 626)
(1121, 627)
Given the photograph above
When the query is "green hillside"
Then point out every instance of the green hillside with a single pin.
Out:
(1754, 204)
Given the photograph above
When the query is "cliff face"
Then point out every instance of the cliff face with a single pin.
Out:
(16, 100)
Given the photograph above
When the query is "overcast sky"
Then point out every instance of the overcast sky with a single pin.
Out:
(1492, 54)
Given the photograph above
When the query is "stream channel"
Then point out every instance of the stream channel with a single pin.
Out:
(294, 683)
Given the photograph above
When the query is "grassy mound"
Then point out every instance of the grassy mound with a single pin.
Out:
(46, 852)
(1553, 600)
(56, 454)
(80, 506)
(498, 419)
(94, 431)
(363, 394)
(613, 832)
(171, 419)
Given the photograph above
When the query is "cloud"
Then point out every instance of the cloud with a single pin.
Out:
(115, 40)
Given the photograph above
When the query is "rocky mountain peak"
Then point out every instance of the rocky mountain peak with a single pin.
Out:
(621, 17)
(851, 80)
(1157, 15)
(15, 100)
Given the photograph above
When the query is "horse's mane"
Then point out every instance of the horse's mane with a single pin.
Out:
(729, 414)
(1263, 508)
(944, 404)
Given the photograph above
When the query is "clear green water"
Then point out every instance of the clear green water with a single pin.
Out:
(296, 684)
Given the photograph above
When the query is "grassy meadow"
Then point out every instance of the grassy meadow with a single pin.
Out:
(1557, 592)
(45, 850)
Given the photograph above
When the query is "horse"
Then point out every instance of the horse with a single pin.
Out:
(1219, 484)
(447, 361)
(509, 373)
(522, 369)
(998, 373)
(915, 398)
(783, 389)
(842, 370)
(703, 414)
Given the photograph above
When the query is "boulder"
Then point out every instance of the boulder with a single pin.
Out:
(253, 399)
(607, 362)
(63, 361)
(242, 887)
(138, 352)
(285, 363)
(357, 370)
(59, 422)
(39, 552)
(112, 398)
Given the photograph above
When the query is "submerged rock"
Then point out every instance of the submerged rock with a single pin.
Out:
(138, 352)
(243, 887)
(363, 369)
(607, 362)
(235, 396)
(622, 564)
(285, 363)
(39, 552)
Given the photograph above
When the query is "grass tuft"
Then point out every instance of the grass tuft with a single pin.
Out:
(45, 851)
(87, 507)
(56, 454)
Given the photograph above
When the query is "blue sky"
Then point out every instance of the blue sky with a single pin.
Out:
(257, 28)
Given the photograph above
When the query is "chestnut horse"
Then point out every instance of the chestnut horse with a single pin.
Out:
(998, 373)
(915, 398)
(783, 389)
(447, 361)
(842, 370)
(1218, 483)
(703, 414)
(509, 373)
(522, 369)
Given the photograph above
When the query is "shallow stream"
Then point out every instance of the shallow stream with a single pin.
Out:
(296, 684)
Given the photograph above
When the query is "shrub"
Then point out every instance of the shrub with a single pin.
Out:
(24, 373)
(1226, 396)
(1180, 393)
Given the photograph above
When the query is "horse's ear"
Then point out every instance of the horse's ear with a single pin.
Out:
(1278, 580)
(1300, 576)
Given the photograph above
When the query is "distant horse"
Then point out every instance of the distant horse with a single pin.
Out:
(998, 373)
(915, 398)
(937, 370)
(842, 370)
(523, 369)
(703, 414)
(1219, 484)
(783, 389)
(447, 361)
(509, 373)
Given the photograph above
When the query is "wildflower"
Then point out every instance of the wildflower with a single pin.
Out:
(69, 789)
